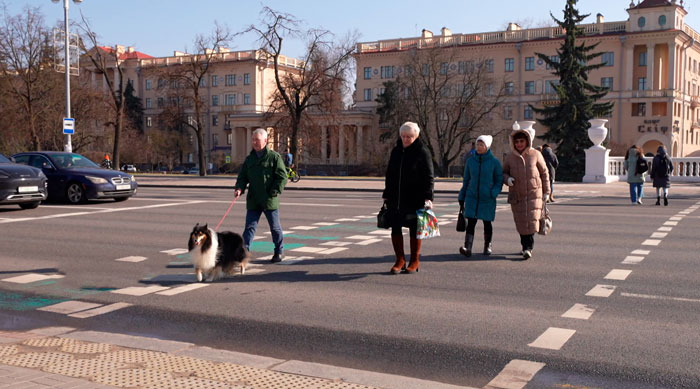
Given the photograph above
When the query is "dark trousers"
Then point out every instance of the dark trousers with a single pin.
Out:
(527, 241)
(471, 225)
(408, 220)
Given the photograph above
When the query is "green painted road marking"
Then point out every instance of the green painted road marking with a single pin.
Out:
(269, 247)
(304, 237)
(20, 302)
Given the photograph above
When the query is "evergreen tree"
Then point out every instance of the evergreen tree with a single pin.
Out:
(134, 107)
(568, 121)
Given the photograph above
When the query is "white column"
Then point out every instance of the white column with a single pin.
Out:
(358, 143)
(324, 144)
(341, 144)
(629, 64)
(671, 65)
(650, 66)
(248, 139)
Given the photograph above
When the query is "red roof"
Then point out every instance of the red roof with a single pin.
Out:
(127, 55)
(653, 3)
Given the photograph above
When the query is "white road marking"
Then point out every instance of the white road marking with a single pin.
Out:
(653, 297)
(515, 375)
(667, 229)
(381, 232)
(309, 249)
(347, 219)
(68, 307)
(32, 277)
(618, 274)
(444, 223)
(675, 218)
(368, 242)
(632, 260)
(174, 251)
(364, 217)
(601, 291)
(181, 289)
(684, 212)
(553, 338)
(131, 259)
(361, 237)
(659, 235)
(671, 223)
(325, 224)
(74, 207)
(290, 260)
(100, 310)
(640, 252)
(304, 228)
(335, 243)
(140, 290)
(333, 250)
(579, 311)
(283, 233)
(651, 242)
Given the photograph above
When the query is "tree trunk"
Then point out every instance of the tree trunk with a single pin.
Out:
(200, 150)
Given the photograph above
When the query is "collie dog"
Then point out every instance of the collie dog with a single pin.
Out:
(214, 253)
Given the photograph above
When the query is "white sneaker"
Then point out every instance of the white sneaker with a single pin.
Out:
(639, 201)
(527, 254)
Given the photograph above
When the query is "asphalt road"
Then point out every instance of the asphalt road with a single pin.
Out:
(456, 321)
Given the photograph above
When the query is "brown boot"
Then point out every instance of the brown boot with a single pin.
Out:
(414, 265)
(400, 264)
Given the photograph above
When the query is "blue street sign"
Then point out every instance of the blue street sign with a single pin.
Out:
(68, 125)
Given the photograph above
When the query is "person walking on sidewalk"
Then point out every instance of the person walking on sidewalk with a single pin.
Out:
(552, 164)
(408, 187)
(525, 173)
(481, 184)
(264, 174)
(661, 169)
(635, 178)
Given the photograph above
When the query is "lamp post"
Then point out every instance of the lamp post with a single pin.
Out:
(68, 147)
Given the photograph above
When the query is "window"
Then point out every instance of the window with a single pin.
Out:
(608, 58)
(230, 99)
(507, 112)
(368, 73)
(214, 120)
(215, 139)
(161, 102)
(425, 69)
(550, 87)
(214, 80)
(639, 109)
(553, 58)
(161, 83)
(527, 112)
(489, 65)
(203, 82)
(510, 88)
(643, 59)
(510, 64)
(444, 67)
(488, 89)
(246, 98)
(229, 138)
(148, 84)
(368, 94)
(215, 100)
(642, 83)
(606, 82)
(148, 102)
(465, 67)
(387, 72)
(246, 79)
(230, 80)
(149, 121)
(529, 63)
(529, 87)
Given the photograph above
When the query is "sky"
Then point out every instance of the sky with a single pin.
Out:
(159, 27)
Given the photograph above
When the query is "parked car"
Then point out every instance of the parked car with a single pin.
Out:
(75, 178)
(179, 170)
(193, 170)
(162, 170)
(129, 168)
(22, 185)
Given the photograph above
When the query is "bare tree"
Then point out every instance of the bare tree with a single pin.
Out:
(314, 83)
(450, 99)
(187, 79)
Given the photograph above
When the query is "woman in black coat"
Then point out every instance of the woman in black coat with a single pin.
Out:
(408, 187)
(661, 169)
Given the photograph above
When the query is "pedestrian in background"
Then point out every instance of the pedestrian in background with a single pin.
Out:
(525, 172)
(552, 164)
(481, 184)
(634, 178)
(264, 174)
(408, 187)
(661, 169)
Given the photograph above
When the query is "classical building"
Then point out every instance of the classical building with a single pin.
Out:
(652, 67)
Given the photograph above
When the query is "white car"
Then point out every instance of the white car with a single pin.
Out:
(129, 168)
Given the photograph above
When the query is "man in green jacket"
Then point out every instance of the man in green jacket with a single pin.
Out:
(264, 174)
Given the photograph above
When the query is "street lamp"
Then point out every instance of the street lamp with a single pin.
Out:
(67, 147)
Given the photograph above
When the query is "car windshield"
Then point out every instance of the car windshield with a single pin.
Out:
(4, 159)
(70, 161)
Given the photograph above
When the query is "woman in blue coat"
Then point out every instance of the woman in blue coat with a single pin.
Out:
(483, 181)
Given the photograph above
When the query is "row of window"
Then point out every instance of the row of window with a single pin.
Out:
(228, 79)
(229, 99)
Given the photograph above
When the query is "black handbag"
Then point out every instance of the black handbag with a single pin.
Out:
(461, 223)
(383, 217)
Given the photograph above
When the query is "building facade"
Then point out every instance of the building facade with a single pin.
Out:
(652, 67)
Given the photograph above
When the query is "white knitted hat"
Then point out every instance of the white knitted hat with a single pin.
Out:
(487, 139)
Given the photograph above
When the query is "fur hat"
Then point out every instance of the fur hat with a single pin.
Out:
(487, 139)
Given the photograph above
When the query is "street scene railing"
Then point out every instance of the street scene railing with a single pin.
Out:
(684, 169)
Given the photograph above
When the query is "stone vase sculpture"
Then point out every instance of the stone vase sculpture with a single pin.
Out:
(597, 132)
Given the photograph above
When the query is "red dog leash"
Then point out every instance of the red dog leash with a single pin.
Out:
(226, 214)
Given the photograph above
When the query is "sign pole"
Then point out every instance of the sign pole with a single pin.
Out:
(68, 146)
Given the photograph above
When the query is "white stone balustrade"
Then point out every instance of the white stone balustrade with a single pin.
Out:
(684, 169)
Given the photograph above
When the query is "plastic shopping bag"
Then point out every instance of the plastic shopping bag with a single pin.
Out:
(427, 224)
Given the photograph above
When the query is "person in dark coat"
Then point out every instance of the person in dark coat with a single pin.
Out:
(552, 164)
(661, 169)
(481, 184)
(408, 187)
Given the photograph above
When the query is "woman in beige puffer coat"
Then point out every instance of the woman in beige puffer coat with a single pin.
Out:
(525, 173)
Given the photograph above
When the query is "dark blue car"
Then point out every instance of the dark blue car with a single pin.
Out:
(22, 185)
(75, 178)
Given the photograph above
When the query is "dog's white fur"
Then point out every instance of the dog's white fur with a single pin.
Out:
(206, 261)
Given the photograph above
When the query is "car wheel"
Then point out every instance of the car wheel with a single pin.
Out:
(75, 193)
(118, 199)
(30, 205)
